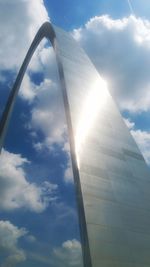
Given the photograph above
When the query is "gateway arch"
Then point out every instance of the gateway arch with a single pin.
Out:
(112, 180)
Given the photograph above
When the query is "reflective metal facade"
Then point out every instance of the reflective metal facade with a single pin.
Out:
(111, 178)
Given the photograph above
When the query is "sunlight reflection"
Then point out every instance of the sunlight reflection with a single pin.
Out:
(94, 102)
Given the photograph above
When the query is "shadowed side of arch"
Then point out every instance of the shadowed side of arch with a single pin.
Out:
(47, 31)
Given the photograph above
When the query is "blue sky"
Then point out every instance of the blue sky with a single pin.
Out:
(76, 14)
(38, 216)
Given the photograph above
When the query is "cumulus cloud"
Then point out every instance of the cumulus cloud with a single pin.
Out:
(68, 175)
(120, 50)
(28, 89)
(48, 117)
(130, 124)
(142, 138)
(48, 114)
(69, 254)
(44, 60)
(17, 29)
(15, 189)
(10, 234)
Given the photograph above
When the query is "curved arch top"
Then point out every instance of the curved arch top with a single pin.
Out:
(110, 174)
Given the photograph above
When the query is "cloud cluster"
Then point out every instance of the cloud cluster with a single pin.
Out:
(47, 111)
(10, 234)
(43, 62)
(120, 50)
(15, 189)
(69, 254)
(28, 89)
(17, 29)
(68, 175)
(142, 138)
(47, 115)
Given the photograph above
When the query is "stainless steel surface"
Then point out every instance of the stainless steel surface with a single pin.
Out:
(111, 177)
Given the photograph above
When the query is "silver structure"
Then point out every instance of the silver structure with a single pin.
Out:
(112, 180)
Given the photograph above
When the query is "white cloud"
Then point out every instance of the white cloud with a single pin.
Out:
(9, 237)
(120, 50)
(15, 189)
(130, 124)
(48, 115)
(28, 89)
(17, 29)
(68, 175)
(69, 254)
(142, 138)
(44, 60)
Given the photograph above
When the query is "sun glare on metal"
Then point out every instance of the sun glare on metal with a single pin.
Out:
(94, 103)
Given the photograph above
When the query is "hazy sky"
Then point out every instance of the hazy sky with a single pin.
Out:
(38, 217)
